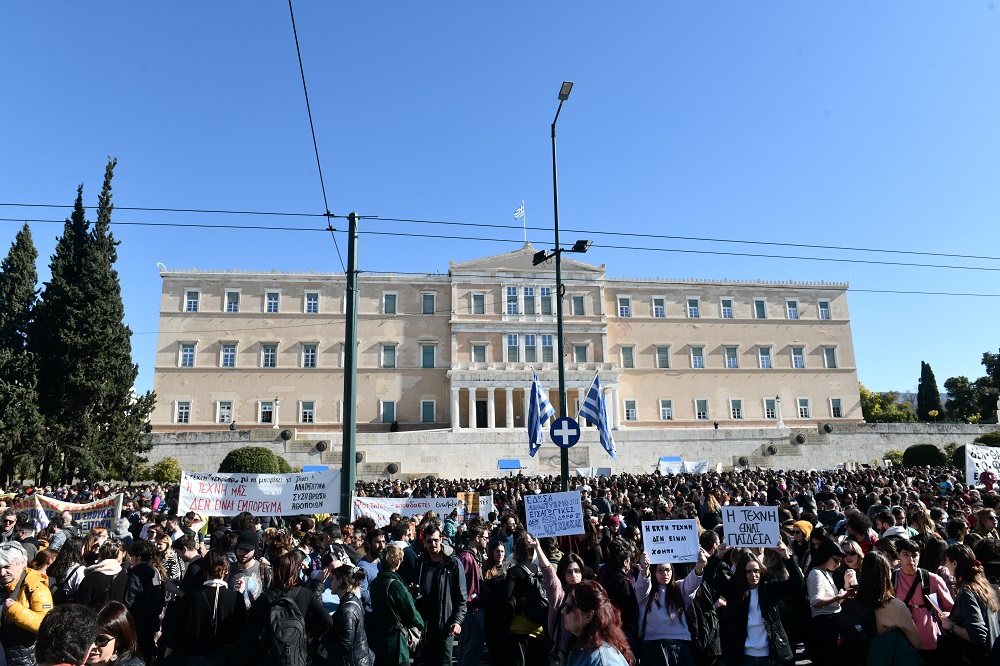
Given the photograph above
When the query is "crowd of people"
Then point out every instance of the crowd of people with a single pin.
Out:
(874, 566)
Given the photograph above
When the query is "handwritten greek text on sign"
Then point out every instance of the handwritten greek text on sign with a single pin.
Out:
(381, 508)
(260, 494)
(672, 541)
(554, 514)
(979, 459)
(751, 526)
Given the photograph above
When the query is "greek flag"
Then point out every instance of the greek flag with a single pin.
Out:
(593, 411)
(519, 213)
(539, 411)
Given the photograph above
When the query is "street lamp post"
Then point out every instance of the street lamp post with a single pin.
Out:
(564, 91)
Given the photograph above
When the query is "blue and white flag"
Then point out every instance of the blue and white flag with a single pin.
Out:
(519, 213)
(593, 411)
(539, 411)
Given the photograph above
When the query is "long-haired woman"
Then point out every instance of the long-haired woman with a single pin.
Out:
(824, 602)
(116, 643)
(875, 592)
(596, 623)
(974, 617)
(66, 573)
(558, 579)
(662, 600)
(346, 642)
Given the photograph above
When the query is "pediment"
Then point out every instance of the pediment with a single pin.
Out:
(520, 261)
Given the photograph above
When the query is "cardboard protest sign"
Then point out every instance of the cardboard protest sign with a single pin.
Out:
(381, 508)
(554, 514)
(751, 526)
(670, 541)
(260, 494)
(979, 459)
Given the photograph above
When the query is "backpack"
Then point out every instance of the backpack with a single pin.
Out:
(536, 601)
(925, 589)
(284, 636)
(856, 624)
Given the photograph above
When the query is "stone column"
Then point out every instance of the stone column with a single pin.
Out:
(472, 407)
(491, 408)
(455, 421)
(510, 407)
(616, 418)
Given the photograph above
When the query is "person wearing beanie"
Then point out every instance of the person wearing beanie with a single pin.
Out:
(250, 576)
(801, 550)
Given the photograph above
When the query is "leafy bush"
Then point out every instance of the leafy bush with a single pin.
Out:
(988, 439)
(958, 457)
(249, 460)
(167, 470)
(283, 466)
(894, 456)
(923, 454)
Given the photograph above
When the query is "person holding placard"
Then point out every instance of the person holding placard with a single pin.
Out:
(666, 638)
(755, 635)
(558, 580)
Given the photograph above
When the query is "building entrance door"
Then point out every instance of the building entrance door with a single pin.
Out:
(481, 414)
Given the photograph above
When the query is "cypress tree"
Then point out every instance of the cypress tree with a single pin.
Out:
(928, 395)
(20, 421)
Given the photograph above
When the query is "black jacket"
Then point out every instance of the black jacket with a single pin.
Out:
(769, 595)
(195, 634)
(97, 589)
(346, 643)
(442, 603)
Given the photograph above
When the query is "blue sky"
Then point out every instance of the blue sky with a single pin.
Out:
(865, 125)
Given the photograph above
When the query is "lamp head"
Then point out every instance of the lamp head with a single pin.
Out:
(564, 91)
(539, 257)
(582, 245)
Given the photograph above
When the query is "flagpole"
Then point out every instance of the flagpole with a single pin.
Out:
(524, 222)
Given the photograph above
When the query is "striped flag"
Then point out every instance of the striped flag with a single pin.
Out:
(539, 411)
(519, 213)
(593, 411)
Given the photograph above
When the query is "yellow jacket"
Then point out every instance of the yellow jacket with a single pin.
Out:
(28, 614)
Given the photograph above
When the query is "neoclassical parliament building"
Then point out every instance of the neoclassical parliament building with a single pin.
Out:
(456, 350)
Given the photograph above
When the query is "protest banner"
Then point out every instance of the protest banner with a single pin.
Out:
(380, 508)
(751, 526)
(29, 506)
(554, 514)
(102, 513)
(979, 459)
(468, 506)
(260, 494)
(670, 541)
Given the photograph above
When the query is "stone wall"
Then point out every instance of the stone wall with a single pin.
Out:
(475, 453)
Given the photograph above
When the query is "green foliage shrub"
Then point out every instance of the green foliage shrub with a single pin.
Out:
(249, 460)
(167, 470)
(923, 454)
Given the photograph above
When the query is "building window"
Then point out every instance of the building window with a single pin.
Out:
(824, 309)
(307, 412)
(770, 408)
(191, 299)
(830, 356)
(577, 302)
(765, 357)
(427, 356)
(697, 357)
(512, 350)
(529, 300)
(793, 309)
(663, 357)
(427, 304)
(803, 404)
(512, 300)
(701, 409)
(694, 308)
(547, 354)
(836, 410)
(529, 348)
(272, 300)
(183, 412)
(736, 409)
(727, 308)
(760, 308)
(187, 355)
(388, 411)
(427, 409)
(479, 304)
(389, 304)
(732, 357)
(624, 306)
(312, 302)
(388, 356)
(798, 357)
(631, 413)
(666, 410)
(228, 356)
(546, 295)
(269, 356)
(580, 353)
(628, 357)
(479, 353)
(659, 308)
(232, 301)
(225, 411)
(309, 354)
(266, 412)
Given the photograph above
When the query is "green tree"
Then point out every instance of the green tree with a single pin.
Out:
(923, 454)
(20, 421)
(885, 407)
(166, 470)
(989, 386)
(94, 422)
(250, 460)
(928, 395)
(895, 456)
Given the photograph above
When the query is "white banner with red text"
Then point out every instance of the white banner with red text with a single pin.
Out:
(260, 494)
(380, 508)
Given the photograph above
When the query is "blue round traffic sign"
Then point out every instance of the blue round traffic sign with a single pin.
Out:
(565, 432)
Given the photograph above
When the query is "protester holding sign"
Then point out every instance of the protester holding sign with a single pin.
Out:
(662, 600)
